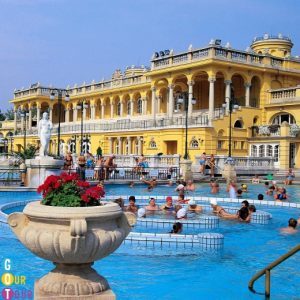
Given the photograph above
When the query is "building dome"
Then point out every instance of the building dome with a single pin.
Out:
(275, 45)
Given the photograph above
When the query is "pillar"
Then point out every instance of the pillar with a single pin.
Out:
(171, 101)
(144, 106)
(15, 121)
(29, 119)
(121, 108)
(102, 110)
(190, 107)
(22, 123)
(153, 103)
(131, 107)
(50, 114)
(110, 145)
(129, 144)
(120, 145)
(139, 145)
(38, 114)
(67, 115)
(74, 114)
(111, 110)
(211, 99)
(84, 114)
(93, 112)
(247, 93)
(227, 94)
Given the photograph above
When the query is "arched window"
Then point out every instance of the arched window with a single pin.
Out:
(140, 106)
(152, 144)
(194, 144)
(254, 150)
(72, 146)
(86, 146)
(129, 108)
(119, 109)
(285, 117)
(238, 124)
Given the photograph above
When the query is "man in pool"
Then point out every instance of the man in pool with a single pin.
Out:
(291, 229)
(152, 206)
(151, 183)
(221, 212)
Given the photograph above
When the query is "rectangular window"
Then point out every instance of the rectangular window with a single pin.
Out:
(220, 145)
(242, 145)
(235, 145)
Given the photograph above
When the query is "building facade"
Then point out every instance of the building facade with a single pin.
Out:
(144, 110)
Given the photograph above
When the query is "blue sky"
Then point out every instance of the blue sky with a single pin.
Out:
(63, 42)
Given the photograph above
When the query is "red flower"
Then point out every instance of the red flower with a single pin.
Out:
(83, 184)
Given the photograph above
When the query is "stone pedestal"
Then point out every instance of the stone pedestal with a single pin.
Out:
(40, 168)
(229, 173)
(186, 167)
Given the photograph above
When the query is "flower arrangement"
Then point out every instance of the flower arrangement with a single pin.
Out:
(68, 191)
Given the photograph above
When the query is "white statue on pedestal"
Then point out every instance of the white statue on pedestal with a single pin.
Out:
(44, 132)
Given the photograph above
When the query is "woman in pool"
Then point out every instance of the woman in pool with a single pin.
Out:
(255, 179)
(168, 206)
(281, 194)
(221, 212)
(152, 206)
(202, 163)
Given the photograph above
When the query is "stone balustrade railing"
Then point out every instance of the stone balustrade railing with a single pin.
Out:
(284, 95)
(241, 163)
(104, 85)
(125, 124)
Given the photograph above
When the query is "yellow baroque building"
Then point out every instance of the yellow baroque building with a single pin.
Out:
(143, 110)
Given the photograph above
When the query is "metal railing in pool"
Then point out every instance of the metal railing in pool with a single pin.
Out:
(267, 272)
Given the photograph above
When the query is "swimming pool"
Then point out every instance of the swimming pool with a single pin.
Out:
(152, 274)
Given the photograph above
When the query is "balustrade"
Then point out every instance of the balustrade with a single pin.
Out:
(285, 95)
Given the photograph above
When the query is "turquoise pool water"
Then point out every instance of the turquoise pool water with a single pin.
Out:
(153, 274)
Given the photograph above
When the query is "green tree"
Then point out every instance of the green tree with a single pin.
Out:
(9, 114)
(2, 116)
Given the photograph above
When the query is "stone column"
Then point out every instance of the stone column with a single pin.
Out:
(111, 110)
(158, 104)
(129, 144)
(102, 111)
(144, 106)
(120, 142)
(211, 99)
(190, 107)
(121, 108)
(131, 107)
(186, 167)
(153, 109)
(38, 114)
(247, 94)
(227, 94)
(171, 101)
(67, 115)
(110, 145)
(84, 114)
(139, 145)
(50, 114)
(93, 112)
(74, 114)
(29, 126)
(22, 122)
(15, 120)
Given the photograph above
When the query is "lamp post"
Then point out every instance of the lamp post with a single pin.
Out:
(81, 105)
(24, 114)
(184, 99)
(59, 93)
(232, 105)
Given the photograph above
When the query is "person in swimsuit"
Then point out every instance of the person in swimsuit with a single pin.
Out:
(152, 205)
(290, 176)
(168, 206)
(221, 212)
(215, 188)
(202, 163)
(68, 161)
(291, 229)
(177, 228)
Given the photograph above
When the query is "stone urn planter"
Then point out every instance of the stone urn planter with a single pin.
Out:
(72, 238)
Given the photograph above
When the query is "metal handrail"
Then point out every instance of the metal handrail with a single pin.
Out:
(267, 271)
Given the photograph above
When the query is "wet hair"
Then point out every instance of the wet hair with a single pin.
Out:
(132, 198)
(243, 213)
(239, 191)
(181, 196)
(176, 227)
(252, 208)
(260, 197)
(266, 183)
(293, 223)
(246, 203)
